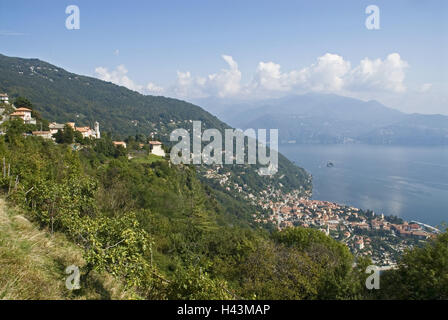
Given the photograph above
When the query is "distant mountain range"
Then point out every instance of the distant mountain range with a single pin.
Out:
(332, 119)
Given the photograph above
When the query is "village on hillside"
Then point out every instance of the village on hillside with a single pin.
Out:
(8, 111)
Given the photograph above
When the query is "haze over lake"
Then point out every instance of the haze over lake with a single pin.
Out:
(410, 182)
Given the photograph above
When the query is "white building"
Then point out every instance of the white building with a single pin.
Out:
(156, 148)
(120, 143)
(97, 130)
(55, 127)
(24, 114)
(4, 98)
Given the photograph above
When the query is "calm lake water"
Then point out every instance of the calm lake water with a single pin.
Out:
(409, 182)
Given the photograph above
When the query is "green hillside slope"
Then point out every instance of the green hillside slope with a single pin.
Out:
(32, 263)
(63, 96)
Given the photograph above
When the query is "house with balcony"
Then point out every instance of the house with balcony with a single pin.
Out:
(24, 114)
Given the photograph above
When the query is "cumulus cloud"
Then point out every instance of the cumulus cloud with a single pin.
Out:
(119, 77)
(386, 75)
(154, 89)
(330, 73)
(225, 83)
(268, 77)
(187, 86)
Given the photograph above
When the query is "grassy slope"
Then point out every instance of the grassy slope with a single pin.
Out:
(32, 263)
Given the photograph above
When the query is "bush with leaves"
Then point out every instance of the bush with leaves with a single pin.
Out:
(192, 283)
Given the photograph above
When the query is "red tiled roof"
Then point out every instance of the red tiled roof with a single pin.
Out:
(17, 114)
(24, 109)
(119, 143)
(83, 129)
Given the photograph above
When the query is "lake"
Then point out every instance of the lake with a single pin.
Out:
(409, 182)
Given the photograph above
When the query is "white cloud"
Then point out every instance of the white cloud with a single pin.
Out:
(119, 77)
(328, 74)
(331, 73)
(426, 87)
(269, 77)
(154, 89)
(186, 86)
(385, 75)
(225, 83)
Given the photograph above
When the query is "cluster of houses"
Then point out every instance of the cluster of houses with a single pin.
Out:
(54, 127)
(93, 133)
(26, 115)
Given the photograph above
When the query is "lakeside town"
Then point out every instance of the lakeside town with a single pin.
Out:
(381, 237)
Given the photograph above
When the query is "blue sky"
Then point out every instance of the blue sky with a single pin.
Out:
(270, 48)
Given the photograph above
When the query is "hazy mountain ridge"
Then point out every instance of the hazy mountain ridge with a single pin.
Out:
(330, 119)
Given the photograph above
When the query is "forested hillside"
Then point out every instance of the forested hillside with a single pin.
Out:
(62, 96)
(158, 230)
(33, 262)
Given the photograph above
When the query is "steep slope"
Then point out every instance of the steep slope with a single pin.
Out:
(32, 263)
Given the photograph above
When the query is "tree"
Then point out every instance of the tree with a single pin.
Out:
(15, 129)
(422, 273)
(20, 102)
(337, 278)
(274, 271)
(192, 283)
(78, 137)
(65, 136)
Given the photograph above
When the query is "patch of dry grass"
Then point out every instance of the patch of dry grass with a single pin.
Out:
(32, 263)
